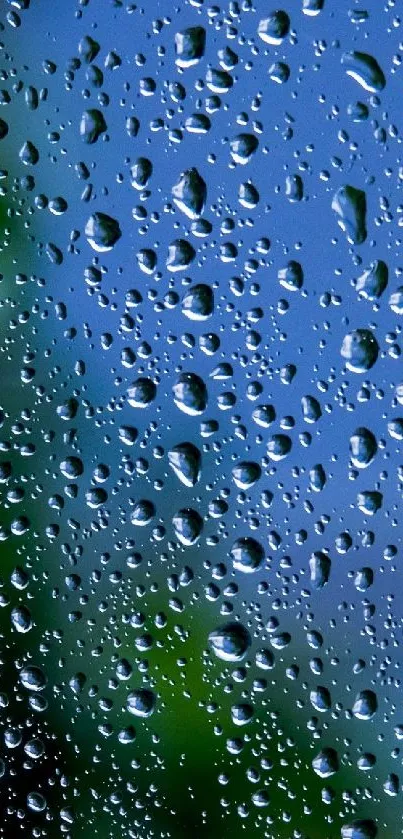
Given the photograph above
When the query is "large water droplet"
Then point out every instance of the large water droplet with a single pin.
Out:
(320, 699)
(190, 193)
(365, 705)
(359, 829)
(372, 283)
(92, 125)
(198, 302)
(312, 7)
(247, 554)
(102, 232)
(243, 147)
(273, 29)
(190, 394)
(363, 447)
(180, 255)
(360, 349)
(141, 393)
(185, 460)
(326, 763)
(141, 172)
(33, 678)
(246, 473)
(365, 70)
(188, 525)
(350, 206)
(230, 642)
(141, 702)
(190, 45)
(320, 566)
(29, 154)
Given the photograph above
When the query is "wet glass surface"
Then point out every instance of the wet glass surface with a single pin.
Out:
(201, 419)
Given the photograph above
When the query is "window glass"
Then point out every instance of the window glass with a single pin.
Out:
(201, 419)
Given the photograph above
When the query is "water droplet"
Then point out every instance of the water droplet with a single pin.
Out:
(248, 195)
(369, 501)
(363, 579)
(247, 554)
(246, 473)
(198, 302)
(102, 232)
(218, 81)
(363, 447)
(264, 415)
(279, 446)
(372, 283)
(230, 642)
(185, 460)
(243, 147)
(350, 205)
(142, 513)
(92, 125)
(273, 29)
(34, 748)
(396, 301)
(312, 7)
(141, 172)
(190, 45)
(320, 566)
(360, 349)
(311, 409)
(21, 619)
(190, 193)
(188, 525)
(359, 829)
(141, 702)
(88, 49)
(36, 802)
(292, 276)
(33, 678)
(365, 70)
(141, 393)
(190, 394)
(392, 785)
(365, 705)
(326, 763)
(320, 699)
(242, 713)
(180, 255)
